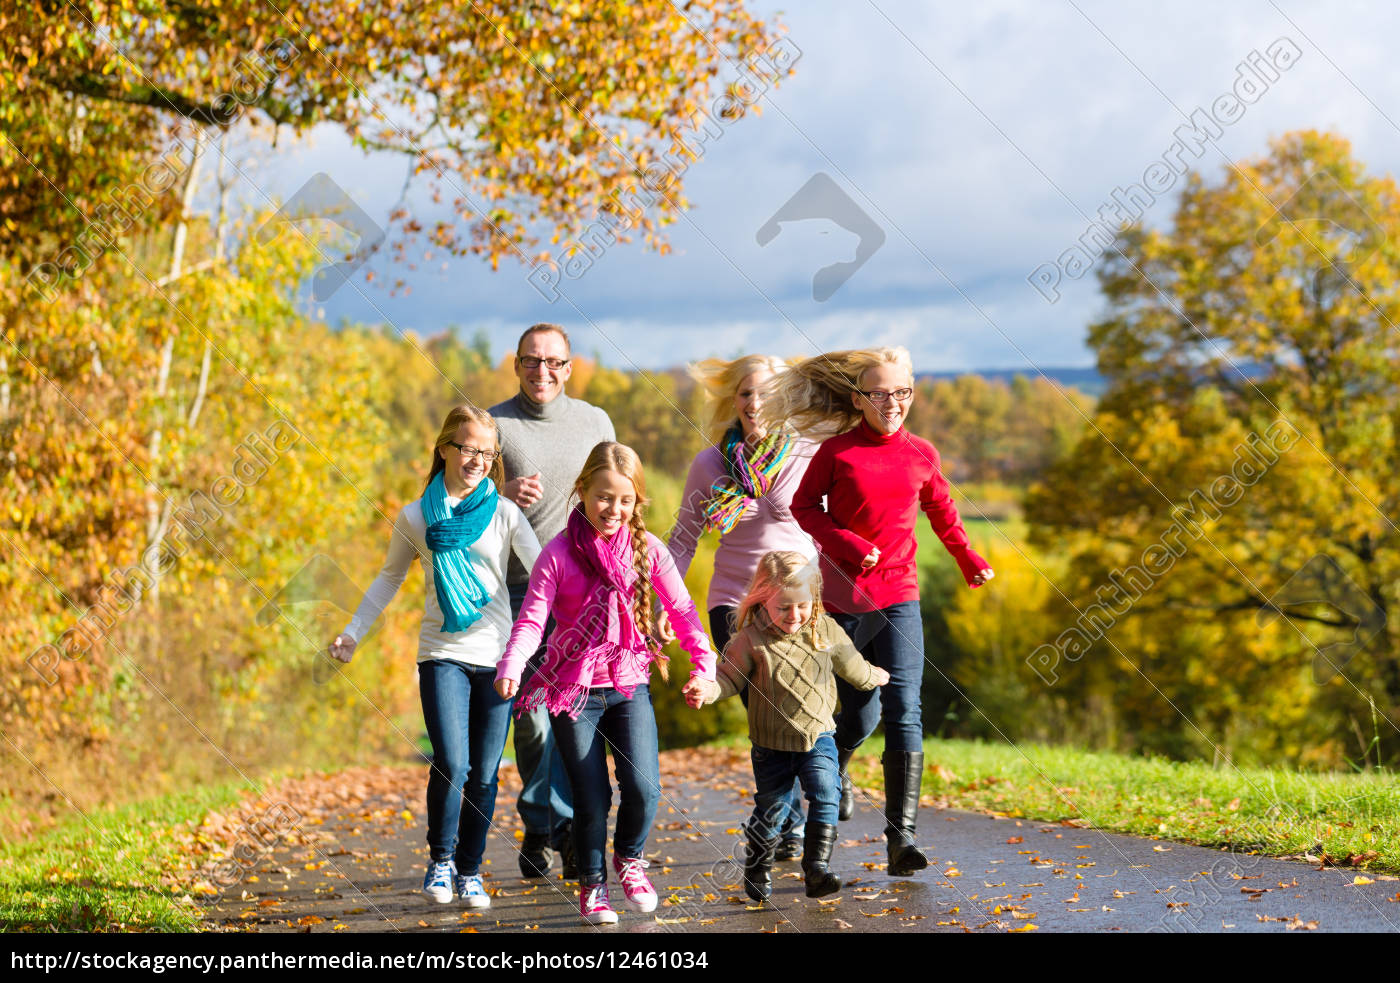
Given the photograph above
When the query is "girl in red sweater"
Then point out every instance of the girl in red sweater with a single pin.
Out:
(875, 477)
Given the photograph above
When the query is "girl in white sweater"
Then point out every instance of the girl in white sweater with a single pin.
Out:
(463, 533)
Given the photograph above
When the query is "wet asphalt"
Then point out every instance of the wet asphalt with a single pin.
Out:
(986, 874)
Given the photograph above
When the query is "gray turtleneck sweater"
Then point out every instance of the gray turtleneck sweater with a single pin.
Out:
(552, 440)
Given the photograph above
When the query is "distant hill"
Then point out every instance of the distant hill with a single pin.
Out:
(1085, 380)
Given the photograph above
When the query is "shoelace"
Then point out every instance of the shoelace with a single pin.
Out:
(633, 874)
(442, 874)
(596, 896)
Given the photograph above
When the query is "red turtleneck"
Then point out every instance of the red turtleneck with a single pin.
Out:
(874, 484)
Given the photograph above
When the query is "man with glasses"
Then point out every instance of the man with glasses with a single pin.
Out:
(545, 438)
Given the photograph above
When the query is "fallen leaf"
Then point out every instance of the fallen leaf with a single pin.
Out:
(1028, 927)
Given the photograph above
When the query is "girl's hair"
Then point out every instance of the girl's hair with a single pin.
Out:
(814, 396)
(612, 456)
(458, 415)
(780, 570)
(721, 380)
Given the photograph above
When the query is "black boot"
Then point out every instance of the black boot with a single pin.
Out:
(535, 855)
(847, 807)
(816, 854)
(904, 771)
(758, 867)
(789, 847)
(564, 843)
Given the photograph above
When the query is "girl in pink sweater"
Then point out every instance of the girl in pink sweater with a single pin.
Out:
(597, 578)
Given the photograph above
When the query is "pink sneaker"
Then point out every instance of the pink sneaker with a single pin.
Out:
(635, 884)
(593, 906)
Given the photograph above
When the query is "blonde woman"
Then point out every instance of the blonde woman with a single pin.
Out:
(463, 532)
(860, 500)
(741, 487)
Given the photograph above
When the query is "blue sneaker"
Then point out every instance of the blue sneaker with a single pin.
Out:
(472, 891)
(437, 884)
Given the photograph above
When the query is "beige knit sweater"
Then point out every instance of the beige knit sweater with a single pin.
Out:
(792, 686)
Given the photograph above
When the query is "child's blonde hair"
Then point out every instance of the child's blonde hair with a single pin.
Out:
(780, 570)
(814, 396)
(612, 456)
(721, 378)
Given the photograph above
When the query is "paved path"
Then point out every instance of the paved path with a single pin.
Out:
(362, 869)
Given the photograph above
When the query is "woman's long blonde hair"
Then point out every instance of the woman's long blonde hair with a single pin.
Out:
(458, 415)
(782, 570)
(612, 456)
(720, 378)
(814, 396)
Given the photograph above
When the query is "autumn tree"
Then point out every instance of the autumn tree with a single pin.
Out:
(1230, 516)
(529, 120)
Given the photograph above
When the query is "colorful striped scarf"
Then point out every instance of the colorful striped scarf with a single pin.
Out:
(750, 473)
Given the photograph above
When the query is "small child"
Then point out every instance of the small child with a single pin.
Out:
(785, 650)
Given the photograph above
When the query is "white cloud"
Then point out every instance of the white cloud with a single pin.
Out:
(978, 192)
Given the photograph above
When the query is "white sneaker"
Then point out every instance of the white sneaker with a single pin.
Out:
(437, 883)
(472, 891)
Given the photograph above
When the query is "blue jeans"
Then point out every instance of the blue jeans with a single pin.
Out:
(720, 632)
(774, 773)
(629, 728)
(893, 639)
(545, 804)
(467, 724)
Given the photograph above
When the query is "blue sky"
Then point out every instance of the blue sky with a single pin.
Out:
(980, 140)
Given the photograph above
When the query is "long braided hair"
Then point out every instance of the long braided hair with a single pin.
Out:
(623, 460)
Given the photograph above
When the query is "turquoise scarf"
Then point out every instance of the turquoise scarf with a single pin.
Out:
(460, 592)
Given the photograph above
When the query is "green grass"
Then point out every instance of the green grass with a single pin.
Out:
(105, 872)
(1270, 811)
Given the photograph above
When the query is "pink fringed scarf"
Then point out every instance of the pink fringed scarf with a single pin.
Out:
(604, 632)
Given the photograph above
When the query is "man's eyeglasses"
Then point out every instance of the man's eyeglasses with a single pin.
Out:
(880, 396)
(532, 362)
(470, 452)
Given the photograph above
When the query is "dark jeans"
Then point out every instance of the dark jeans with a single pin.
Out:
(893, 639)
(773, 774)
(629, 728)
(545, 804)
(467, 724)
(721, 631)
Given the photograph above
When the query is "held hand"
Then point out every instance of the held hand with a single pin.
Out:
(982, 577)
(699, 691)
(880, 676)
(507, 688)
(342, 649)
(525, 490)
(872, 558)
